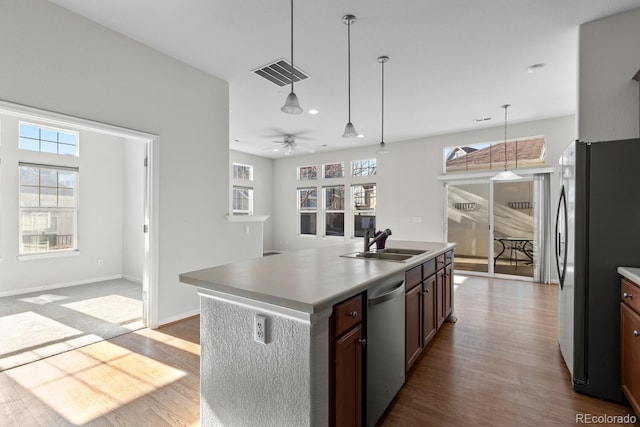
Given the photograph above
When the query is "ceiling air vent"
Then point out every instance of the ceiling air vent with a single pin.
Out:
(278, 72)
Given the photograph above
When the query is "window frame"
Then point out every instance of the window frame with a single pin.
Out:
(326, 210)
(356, 211)
(299, 176)
(369, 167)
(235, 166)
(324, 170)
(307, 211)
(40, 139)
(242, 212)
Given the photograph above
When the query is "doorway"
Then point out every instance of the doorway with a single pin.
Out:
(493, 223)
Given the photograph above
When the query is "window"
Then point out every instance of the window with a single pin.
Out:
(334, 210)
(242, 200)
(520, 153)
(363, 167)
(307, 209)
(48, 208)
(46, 140)
(334, 170)
(307, 173)
(364, 208)
(244, 172)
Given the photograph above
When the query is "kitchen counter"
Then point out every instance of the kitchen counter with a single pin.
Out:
(631, 273)
(283, 380)
(307, 281)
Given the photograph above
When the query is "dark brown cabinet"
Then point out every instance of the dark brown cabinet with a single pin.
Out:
(429, 313)
(413, 319)
(346, 362)
(630, 342)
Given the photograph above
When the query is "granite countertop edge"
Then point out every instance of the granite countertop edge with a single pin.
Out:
(631, 273)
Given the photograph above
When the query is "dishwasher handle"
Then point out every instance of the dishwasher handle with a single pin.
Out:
(390, 294)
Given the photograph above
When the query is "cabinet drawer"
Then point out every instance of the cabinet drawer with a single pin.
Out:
(348, 314)
(412, 277)
(439, 262)
(448, 257)
(428, 268)
(630, 294)
(630, 352)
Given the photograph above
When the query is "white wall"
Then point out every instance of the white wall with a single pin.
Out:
(407, 180)
(59, 61)
(133, 187)
(262, 190)
(100, 213)
(608, 106)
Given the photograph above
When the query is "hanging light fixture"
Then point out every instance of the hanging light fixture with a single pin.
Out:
(349, 129)
(505, 175)
(291, 104)
(383, 146)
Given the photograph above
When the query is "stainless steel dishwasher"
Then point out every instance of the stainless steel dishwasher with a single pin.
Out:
(385, 345)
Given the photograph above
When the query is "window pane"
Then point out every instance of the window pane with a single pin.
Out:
(49, 147)
(335, 224)
(29, 175)
(48, 197)
(67, 149)
(29, 144)
(48, 135)
(334, 170)
(308, 199)
(29, 196)
(364, 197)
(363, 167)
(487, 156)
(363, 221)
(308, 223)
(334, 197)
(66, 178)
(29, 131)
(306, 173)
(242, 171)
(48, 177)
(44, 231)
(241, 199)
(66, 198)
(68, 138)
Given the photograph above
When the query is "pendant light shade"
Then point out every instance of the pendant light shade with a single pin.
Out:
(505, 175)
(349, 129)
(383, 147)
(291, 104)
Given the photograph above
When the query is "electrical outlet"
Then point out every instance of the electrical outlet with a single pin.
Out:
(260, 329)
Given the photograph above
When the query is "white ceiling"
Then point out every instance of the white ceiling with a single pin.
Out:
(451, 61)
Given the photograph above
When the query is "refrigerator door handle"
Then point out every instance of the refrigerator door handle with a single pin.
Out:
(561, 253)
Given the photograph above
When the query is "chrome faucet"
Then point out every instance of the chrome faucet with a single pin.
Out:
(367, 236)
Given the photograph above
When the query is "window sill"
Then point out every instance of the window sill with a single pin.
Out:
(61, 254)
(247, 218)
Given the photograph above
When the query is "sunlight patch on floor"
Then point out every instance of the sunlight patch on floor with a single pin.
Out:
(44, 299)
(97, 380)
(159, 336)
(110, 308)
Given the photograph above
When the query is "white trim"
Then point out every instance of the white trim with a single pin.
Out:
(247, 218)
(524, 172)
(44, 255)
(137, 280)
(177, 317)
(59, 285)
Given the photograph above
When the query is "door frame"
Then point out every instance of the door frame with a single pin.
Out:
(151, 197)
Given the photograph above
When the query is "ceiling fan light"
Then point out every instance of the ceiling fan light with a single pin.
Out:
(291, 105)
(382, 149)
(349, 131)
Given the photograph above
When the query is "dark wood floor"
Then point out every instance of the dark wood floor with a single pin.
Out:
(499, 365)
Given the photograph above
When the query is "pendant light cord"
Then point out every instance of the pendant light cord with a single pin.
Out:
(349, 64)
(382, 121)
(505, 135)
(291, 68)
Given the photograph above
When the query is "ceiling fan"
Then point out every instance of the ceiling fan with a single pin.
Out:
(289, 144)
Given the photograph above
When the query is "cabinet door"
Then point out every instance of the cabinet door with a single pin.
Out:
(440, 298)
(448, 290)
(348, 379)
(413, 333)
(428, 309)
(630, 352)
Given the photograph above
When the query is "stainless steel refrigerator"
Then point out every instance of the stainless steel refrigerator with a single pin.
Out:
(597, 230)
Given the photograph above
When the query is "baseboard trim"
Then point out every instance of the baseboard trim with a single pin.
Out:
(178, 318)
(133, 279)
(58, 285)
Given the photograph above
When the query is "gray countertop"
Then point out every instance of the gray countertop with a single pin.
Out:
(308, 281)
(631, 273)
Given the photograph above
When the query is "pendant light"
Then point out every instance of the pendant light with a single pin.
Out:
(291, 104)
(505, 175)
(383, 148)
(349, 129)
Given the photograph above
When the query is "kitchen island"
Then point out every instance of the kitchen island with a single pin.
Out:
(286, 379)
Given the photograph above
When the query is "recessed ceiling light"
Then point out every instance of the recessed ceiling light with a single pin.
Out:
(535, 68)
(313, 111)
(360, 135)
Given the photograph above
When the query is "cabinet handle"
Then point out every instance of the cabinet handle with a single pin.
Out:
(353, 314)
(363, 341)
(627, 295)
(426, 291)
(636, 333)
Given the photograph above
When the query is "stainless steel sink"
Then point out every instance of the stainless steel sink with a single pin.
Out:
(390, 254)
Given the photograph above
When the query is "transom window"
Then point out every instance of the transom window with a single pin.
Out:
(47, 140)
(520, 153)
(363, 167)
(307, 173)
(334, 170)
(48, 208)
(244, 172)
